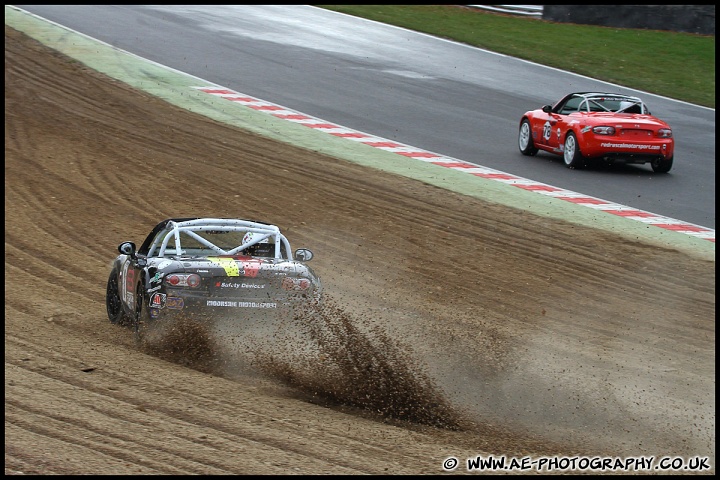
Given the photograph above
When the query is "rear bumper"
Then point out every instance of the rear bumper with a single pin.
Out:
(598, 146)
(164, 305)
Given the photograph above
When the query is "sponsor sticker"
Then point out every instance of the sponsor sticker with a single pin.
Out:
(236, 285)
(251, 268)
(228, 264)
(175, 303)
(238, 304)
(236, 268)
(630, 145)
(158, 300)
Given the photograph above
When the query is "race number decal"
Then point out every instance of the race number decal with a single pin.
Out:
(547, 131)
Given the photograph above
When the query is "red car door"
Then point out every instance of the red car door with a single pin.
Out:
(550, 127)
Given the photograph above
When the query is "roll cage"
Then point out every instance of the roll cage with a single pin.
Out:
(600, 102)
(211, 236)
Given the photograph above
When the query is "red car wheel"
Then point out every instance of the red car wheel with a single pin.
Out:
(571, 155)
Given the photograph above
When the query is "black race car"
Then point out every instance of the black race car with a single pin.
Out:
(207, 268)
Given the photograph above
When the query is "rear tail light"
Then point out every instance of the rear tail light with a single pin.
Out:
(665, 133)
(295, 283)
(191, 280)
(604, 130)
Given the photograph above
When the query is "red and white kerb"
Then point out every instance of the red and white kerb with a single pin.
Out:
(460, 165)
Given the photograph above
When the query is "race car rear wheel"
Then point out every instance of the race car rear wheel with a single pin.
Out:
(662, 165)
(525, 141)
(571, 155)
(113, 303)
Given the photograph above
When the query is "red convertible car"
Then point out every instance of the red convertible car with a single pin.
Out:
(589, 125)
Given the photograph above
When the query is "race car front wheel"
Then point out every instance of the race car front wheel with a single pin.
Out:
(113, 303)
(662, 165)
(525, 141)
(571, 155)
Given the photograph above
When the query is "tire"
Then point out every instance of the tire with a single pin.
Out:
(662, 165)
(113, 303)
(525, 141)
(571, 154)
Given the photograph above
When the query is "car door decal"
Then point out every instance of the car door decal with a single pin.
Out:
(127, 282)
(547, 131)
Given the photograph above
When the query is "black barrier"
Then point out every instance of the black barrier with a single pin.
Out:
(698, 19)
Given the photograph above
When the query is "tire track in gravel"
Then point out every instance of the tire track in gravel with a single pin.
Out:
(141, 408)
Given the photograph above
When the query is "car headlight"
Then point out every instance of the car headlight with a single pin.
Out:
(603, 130)
(664, 133)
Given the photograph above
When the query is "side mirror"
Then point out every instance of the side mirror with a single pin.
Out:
(547, 108)
(303, 255)
(127, 248)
